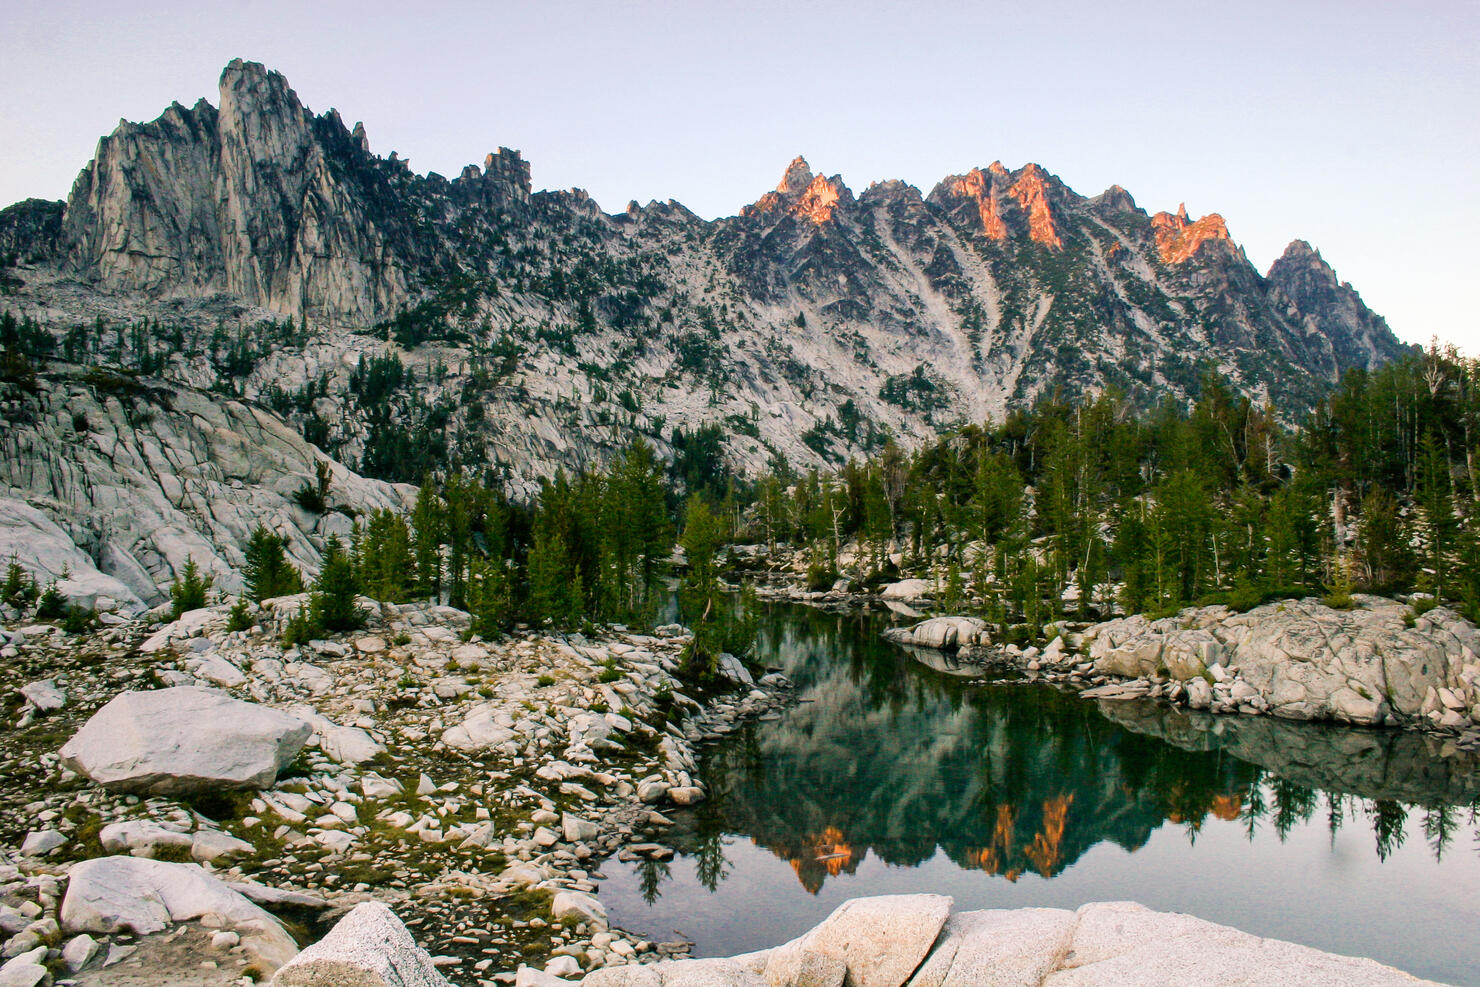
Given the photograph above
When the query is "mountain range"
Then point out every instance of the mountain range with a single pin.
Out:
(256, 252)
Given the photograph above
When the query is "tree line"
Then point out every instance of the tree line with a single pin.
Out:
(1076, 507)
(590, 548)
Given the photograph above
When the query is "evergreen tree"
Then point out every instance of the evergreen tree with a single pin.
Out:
(332, 604)
(267, 572)
(189, 589)
(427, 525)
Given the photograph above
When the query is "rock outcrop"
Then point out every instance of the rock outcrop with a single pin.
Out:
(182, 740)
(369, 947)
(123, 480)
(915, 941)
(35, 543)
(132, 894)
(1303, 660)
(943, 633)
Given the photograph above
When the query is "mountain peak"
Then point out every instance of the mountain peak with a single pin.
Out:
(258, 103)
(1178, 238)
(797, 177)
(1300, 250)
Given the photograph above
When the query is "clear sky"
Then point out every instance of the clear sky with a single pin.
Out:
(1354, 125)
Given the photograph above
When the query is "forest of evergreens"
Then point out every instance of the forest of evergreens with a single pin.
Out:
(1102, 505)
(1067, 510)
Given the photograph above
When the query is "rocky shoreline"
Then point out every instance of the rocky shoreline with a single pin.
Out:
(1379, 663)
(475, 786)
(912, 940)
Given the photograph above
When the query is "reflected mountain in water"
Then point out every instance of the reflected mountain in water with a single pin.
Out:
(1013, 777)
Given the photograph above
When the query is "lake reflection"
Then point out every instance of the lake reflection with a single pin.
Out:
(891, 777)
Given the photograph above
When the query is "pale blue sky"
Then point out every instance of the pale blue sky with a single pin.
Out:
(1353, 125)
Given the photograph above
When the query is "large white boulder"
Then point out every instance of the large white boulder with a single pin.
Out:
(717, 972)
(908, 589)
(943, 633)
(908, 940)
(1121, 942)
(999, 946)
(484, 726)
(132, 894)
(881, 940)
(369, 947)
(182, 740)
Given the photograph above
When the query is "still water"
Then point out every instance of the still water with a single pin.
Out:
(900, 773)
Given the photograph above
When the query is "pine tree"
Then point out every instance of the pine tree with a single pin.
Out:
(1383, 544)
(188, 591)
(267, 572)
(1438, 524)
(426, 523)
(333, 602)
(550, 575)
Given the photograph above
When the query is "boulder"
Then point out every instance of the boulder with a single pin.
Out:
(182, 740)
(484, 726)
(215, 669)
(1126, 943)
(44, 696)
(575, 829)
(1199, 693)
(79, 951)
(342, 745)
(577, 905)
(677, 973)
(942, 633)
(881, 940)
(734, 669)
(41, 842)
(142, 838)
(210, 846)
(27, 973)
(805, 968)
(528, 976)
(1000, 946)
(132, 894)
(369, 947)
(908, 589)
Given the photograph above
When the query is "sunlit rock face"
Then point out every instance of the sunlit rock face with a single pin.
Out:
(808, 326)
(1178, 239)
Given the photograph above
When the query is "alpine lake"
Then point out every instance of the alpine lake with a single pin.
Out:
(899, 772)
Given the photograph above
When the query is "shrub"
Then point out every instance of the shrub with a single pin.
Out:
(300, 629)
(240, 617)
(314, 497)
(1339, 590)
(19, 588)
(52, 605)
(78, 620)
(820, 577)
